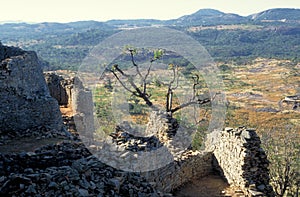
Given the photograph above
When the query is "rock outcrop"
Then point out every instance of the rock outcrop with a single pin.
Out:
(25, 99)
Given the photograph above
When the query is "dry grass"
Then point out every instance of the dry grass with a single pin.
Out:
(266, 82)
(251, 90)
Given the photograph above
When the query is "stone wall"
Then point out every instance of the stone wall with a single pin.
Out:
(187, 164)
(83, 108)
(59, 87)
(25, 99)
(239, 157)
(66, 169)
(190, 165)
(69, 92)
(235, 153)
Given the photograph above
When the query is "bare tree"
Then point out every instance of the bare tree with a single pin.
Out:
(140, 90)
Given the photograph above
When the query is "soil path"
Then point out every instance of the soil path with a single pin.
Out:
(210, 186)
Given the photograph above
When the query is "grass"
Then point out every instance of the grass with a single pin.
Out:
(261, 83)
(267, 87)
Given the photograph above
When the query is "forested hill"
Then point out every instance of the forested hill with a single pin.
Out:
(272, 33)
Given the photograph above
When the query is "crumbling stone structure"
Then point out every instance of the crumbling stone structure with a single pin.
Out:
(69, 92)
(238, 156)
(26, 103)
(186, 167)
(60, 88)
(234, 153)
(25, 99)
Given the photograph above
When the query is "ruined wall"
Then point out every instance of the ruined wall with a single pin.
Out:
(70, 92)
(190, 165)
(239, 157)
(59, 87)
(187, 164)
(25, 99)
(83, 108)
(235, 153)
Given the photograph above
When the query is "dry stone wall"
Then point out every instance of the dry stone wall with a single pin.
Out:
(190, 165)
(70, 92)
(25, 99)
(239, 157)
(82, 105)
(235, 153)
(59, 87)
(186, 165)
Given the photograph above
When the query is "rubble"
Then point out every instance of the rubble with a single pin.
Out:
(66, 169)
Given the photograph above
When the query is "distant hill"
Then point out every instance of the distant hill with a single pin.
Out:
(134, 23)
(208, 17)
(272, 33)
(277, 15)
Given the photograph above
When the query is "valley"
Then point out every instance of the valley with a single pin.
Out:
(259, 63)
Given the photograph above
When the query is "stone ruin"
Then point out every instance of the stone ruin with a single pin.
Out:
(236, 154)
(25, 99)
(70, 93)
(26, 103)
(239, 158)
(59, 88)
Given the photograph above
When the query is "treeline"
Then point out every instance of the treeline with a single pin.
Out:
(281, 43)
(68, 51)
(65, 49)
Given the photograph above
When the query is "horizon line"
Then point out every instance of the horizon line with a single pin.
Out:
(124, 19)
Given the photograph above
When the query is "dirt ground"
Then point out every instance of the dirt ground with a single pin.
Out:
(210, 186)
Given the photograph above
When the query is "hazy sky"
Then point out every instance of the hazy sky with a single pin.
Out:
(102, 10)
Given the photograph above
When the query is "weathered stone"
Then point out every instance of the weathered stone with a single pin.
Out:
(53, 185)
(83, 192)
(59, 88)
(65, 180)
(261, 187)
(69, 91)
(255, 193)
(31, 190)
(26, 102)
(240, 159)
(115, 183)
(246, 134)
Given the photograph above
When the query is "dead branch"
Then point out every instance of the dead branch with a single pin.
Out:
(137, 92)
(199, 102)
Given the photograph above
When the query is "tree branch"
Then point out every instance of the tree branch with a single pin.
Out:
(146, 76)
(121, 82)
(137, 91)
(200, 102)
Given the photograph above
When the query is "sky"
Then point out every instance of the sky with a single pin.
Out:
(103, 10)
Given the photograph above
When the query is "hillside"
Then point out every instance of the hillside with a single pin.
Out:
(279, 14)
(273, 33)
(259, 63)
(209, 17)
